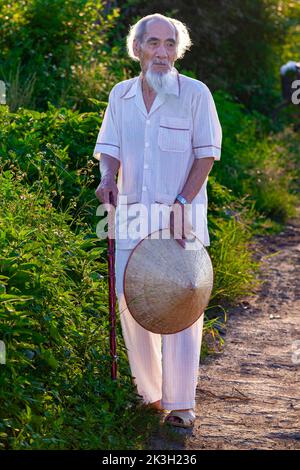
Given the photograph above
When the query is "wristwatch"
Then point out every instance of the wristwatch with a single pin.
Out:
(181, 199)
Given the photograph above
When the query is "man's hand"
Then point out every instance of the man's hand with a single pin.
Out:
(109, 167)
(198, 174)
(107, 185)
(180, 226)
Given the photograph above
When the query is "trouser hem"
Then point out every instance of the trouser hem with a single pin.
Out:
(147, 401)
(178, 406)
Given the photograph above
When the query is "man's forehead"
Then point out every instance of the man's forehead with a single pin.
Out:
(160, 28)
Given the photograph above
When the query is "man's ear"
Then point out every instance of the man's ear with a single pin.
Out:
(136, 48)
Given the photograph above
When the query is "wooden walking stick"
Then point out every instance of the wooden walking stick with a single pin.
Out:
(111, 287)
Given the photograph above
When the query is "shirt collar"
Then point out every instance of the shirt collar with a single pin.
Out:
(137, 81)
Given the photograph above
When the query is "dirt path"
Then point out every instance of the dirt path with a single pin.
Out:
(249, 396)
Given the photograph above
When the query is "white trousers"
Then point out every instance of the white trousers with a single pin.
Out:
(163, 367)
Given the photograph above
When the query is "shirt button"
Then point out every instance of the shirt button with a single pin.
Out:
(147, 144)
(144, 188)
(146, 165)
(148, 122)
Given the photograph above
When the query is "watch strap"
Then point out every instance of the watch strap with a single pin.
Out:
(181, 199)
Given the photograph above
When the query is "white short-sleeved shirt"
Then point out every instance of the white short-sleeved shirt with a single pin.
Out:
(156, 151)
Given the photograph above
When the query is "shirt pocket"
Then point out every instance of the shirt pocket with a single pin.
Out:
(174, 134)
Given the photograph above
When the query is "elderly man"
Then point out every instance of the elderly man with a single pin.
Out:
(161, 134)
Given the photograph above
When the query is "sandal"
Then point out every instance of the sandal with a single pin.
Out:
(187, 418)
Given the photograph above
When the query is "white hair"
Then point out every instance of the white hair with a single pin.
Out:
(137, 31)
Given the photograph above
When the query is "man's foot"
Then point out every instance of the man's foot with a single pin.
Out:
(156, 405)
(181, 418)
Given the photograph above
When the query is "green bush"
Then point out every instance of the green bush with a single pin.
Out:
(57, 51)
(53, 150)
(55, 388)
(257, 162)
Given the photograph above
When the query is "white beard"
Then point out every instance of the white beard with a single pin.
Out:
(161, 82)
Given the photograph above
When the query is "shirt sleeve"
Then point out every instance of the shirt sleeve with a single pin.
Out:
(207, 131)
(108, 140)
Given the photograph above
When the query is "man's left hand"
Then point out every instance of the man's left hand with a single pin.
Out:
(180, 225)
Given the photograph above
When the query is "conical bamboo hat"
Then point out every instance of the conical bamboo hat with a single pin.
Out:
(166, 286)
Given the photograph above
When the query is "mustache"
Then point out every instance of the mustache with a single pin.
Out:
(158, 62)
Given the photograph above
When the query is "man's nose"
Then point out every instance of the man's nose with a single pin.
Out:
(161, 51)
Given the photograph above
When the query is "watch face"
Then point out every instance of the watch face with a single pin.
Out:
(181, 199)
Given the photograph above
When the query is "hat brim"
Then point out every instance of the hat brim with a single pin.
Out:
(167, 287)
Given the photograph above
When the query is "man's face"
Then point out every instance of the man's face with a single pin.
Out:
(158, 50)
